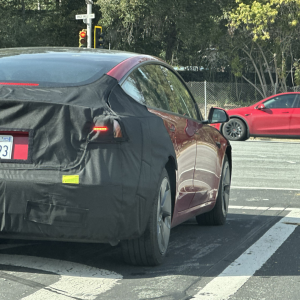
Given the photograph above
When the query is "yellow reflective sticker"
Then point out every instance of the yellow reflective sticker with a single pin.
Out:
(72, 179)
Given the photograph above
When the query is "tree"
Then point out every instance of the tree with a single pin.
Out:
(26, 23)
(177, 31)
(265, 39)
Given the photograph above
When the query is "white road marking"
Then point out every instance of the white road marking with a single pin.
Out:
(249, 207)
(253, 199)
(261, 188)
(235, 206)
(291, 162)
(76, 280)
(271, 141)
(238, 272)
(262, 208)
(280, 208)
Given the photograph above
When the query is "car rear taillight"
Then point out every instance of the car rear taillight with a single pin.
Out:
(100, 128)
(105, 129)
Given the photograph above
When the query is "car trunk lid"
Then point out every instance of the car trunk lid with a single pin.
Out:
(45, 135)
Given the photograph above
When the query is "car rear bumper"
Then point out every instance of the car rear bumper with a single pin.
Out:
(32, 208)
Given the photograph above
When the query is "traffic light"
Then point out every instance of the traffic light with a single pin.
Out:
(82, 38)
(98, 37)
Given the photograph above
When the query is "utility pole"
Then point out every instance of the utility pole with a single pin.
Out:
(89, 23)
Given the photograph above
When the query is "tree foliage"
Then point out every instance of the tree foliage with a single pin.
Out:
(244, 37)
(26, 23)
(178, 31)
(265, 35)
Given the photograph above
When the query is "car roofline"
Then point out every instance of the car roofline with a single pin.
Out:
(121, 69)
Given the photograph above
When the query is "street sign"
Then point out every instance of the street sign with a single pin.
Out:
(85, 16)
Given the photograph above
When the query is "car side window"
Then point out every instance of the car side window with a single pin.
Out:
(146, 85)
(152, 86)
(181, 98)
(132, 88)
(297, 101)
(156, 86)
(283, 101)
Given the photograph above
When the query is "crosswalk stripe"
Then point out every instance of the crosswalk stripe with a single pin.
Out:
(238, 272)
(261, 188)
(76, 280)
(262, 208)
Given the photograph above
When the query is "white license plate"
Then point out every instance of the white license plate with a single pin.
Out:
(6, 144)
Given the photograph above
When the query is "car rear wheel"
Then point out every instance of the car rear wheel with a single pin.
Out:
(150, 249)
(217, 216)
(234, 130)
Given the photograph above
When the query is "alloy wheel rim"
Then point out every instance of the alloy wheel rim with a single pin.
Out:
(225, 188)
(164, 215)
(234, 129)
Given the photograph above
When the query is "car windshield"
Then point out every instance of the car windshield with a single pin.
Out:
(54, 69)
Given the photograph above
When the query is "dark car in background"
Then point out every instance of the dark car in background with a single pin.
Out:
(105, 146)
(275, 116)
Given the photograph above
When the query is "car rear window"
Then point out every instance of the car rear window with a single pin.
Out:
(54, 70)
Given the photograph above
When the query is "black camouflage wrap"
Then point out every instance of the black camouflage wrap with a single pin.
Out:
(118, 177)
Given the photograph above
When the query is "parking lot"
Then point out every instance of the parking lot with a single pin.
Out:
(254, 256)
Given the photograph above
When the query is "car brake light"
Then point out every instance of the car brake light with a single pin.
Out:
(100, 128)
(15, 83)
(104, 131)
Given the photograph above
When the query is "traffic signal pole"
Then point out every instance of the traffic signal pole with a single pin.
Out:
(87, 19)
(89, 23)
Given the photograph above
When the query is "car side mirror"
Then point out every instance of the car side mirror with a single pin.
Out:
(261, 106)
(217, 115)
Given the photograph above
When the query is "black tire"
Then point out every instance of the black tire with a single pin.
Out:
(235, 130)
(150, 249)
(217, 216)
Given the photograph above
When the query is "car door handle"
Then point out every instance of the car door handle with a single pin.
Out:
(218, 144)
(285, 112)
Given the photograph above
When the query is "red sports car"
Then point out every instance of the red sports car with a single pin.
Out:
(105, 146)
(275, 116)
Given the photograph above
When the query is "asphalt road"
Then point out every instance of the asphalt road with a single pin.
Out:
(255, 255)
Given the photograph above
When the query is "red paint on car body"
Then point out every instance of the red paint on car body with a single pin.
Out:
(120, 70)
(216, 125)
(20, 149)
(197, 178)
(16, 83)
